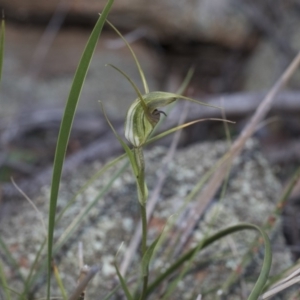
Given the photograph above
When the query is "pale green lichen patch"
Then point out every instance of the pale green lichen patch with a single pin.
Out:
(251, 195)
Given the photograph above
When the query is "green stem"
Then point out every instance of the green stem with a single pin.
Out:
(144, 247)
(140, 175)
(144, 228)
(142, 195)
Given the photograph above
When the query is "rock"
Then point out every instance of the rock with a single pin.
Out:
(251, 196)
(215, 21)
(50, 88)
(274, 53)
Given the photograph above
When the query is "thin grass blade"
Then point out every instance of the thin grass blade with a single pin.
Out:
(133, 85)
(89, 182)
(263, 276)
(11, 259)
(124, 145)
(29, 281)
(109, 295)
(66, 125)
(146, 88)
(163, 134)
(4, 282)
(59, 282)
(186, 81)
(75, 223)
(123, 284)
(160, 94)
(148, 255)
(180, 91)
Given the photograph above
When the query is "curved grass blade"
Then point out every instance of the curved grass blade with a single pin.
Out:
(59, 282)
(11, 259)
(186, 81)
(89, 182)
(122, 281)
(66, 125)
(263, 276)
(21, 297)
(142, 189)
(68, 232)
(180, 91)
(75, 223)
(134, 56)
(267, 226)
(124, 145)
(161, 95)
(148, 255)
(109, 295)
(123, 284)
(29, 280)
(133, 85)
(2, 38)
(163, 134)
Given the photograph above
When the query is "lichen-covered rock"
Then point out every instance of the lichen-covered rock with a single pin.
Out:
(251, 195)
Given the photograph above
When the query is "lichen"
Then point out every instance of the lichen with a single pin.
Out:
(251, 194)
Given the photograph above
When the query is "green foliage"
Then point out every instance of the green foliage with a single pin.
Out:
(66, 125)
(143, 118)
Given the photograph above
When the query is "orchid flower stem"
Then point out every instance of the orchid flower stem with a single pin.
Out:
(144, 247)
(142, 196)
(144, 227)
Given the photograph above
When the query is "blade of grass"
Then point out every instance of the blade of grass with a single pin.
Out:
(263, 277)
(33, 267)
(4, 282)
(11, 259)
(89, 182)
(148, 255)
(59, 282)
(124, 145)
(132, 84)
(121, 278)
(146, 88)
(21, 297)
(132, 158)
(92, 179)
(75, 223)
(214, 183)
(267, 226)
(163, 134)
(109, 295)
(180, 91)
(123, 284)
(66, 125)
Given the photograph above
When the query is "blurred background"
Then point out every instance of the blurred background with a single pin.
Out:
(238, 49)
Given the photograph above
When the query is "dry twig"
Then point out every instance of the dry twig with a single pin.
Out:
(215, 182)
